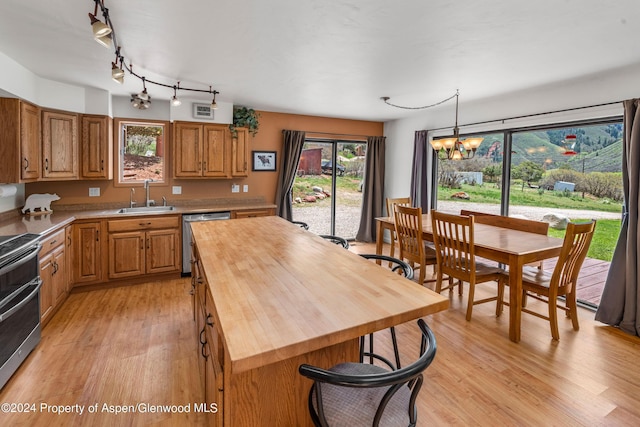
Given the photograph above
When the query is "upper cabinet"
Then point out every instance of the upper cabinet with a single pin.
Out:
(240, 153)
(202, 150)
(96, 147)
(19, 141)
(59, 145)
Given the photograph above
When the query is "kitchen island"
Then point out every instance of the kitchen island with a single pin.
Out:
(270, 296)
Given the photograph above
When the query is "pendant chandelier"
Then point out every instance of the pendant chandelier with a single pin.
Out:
(454, 148)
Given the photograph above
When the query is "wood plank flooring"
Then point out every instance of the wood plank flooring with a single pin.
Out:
(136, 344)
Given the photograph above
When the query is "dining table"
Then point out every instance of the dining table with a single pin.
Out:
(510, 247)
(282, 296)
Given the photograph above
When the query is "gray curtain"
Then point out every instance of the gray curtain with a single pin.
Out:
(293, 141)
(373, 189)
(620, 302)
(419, 191)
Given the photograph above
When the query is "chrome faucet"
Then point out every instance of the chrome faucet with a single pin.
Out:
(164, 201)
(148, 202)
(131, 202)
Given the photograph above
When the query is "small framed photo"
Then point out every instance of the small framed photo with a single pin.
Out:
(202, 111)
(264, 161)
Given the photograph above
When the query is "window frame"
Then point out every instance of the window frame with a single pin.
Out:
(118, 151)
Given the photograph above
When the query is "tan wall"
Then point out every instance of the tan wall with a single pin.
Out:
(261, 184)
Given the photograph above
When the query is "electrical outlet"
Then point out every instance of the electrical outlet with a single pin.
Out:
(245, 188)
(176, 189)
(94, 192)
(235, 188)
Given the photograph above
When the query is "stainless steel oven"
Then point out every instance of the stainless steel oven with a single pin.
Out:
(19, 301)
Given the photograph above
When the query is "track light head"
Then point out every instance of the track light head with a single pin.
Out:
(174, 99)
(140, 104)
(105, 41)
(214, 105)
(100, 29)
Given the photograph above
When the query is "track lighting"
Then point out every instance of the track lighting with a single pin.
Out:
(213, 103)
(174, 100)
(105, 34)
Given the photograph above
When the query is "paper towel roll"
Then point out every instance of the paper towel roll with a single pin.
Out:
(8, 190)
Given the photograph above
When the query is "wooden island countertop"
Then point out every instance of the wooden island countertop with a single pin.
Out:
(283, 295)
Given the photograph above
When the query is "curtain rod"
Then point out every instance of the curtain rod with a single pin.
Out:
(332, 133)
(530, 115)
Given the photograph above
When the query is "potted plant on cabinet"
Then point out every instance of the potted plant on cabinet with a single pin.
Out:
(244, 117)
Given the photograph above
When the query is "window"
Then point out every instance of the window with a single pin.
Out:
(141, 151)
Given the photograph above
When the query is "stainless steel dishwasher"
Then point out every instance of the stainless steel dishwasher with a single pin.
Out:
(186, 234)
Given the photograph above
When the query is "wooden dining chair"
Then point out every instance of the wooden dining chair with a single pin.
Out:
(408, 224)
(520, 224)
(391, 204)
(455, 250)
(547, 287)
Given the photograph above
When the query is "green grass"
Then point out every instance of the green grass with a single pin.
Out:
(489, 193)
(604, 240)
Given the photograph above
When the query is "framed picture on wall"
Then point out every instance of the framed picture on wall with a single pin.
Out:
(202, 111)
(264, 161)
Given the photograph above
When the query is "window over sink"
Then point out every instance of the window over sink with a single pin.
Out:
(142, 146)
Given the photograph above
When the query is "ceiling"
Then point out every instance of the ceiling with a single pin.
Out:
(333, 58)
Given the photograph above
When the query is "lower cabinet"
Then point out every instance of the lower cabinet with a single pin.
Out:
(210, 351)
(87, 252)
(252, 213)
(143, 245)
(53, 272)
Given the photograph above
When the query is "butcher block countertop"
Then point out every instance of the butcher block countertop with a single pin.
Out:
(280, 291)
(12, 223)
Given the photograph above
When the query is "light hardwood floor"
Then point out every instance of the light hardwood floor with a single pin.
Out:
(137, 344)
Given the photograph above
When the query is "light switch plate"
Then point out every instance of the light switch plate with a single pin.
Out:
(235, 188)
(94, 191)
(176, 189)
(245, 188)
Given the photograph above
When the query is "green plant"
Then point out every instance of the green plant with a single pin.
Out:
(244, 117)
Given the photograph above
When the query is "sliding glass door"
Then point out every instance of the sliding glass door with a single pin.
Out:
(327, 191)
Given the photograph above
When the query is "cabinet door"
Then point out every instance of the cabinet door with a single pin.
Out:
(162, 251)
(187, 150)
(213, 392)
(240, 153)
(215, 151)
(97, 137)
(29, 142)
(46, 292)
(59, 276)
(59, 145)
(87, 252)
(126, 254)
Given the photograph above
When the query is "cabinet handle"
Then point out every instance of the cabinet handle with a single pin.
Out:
(69, 239)
(202, 352)
(209, 322)
(202, 342)
(55, 268)
(46, 164)
(245, 166)
(97, 235)
(141, 243)
(102, 164)
(26, 163)
(142, 224)
(53, 242)
(148, 243)
(204, 166)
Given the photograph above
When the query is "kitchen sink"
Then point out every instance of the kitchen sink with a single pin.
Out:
(147, 209)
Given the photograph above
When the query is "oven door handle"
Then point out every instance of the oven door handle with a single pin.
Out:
(4, 316)
(22, 260)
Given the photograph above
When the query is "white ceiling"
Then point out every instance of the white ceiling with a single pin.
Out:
(332, 58)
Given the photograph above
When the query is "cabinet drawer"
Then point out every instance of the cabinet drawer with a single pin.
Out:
(143, 223)
(52, 241)
(252, 213)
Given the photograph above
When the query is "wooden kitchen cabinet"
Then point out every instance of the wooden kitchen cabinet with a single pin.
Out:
(240, 153)
(86, 240)
(97, 147)
(210, 349)
(20, 138)
(59, 145)
(53, 272)
(201, 150)
(143, 245)
(252, 213)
